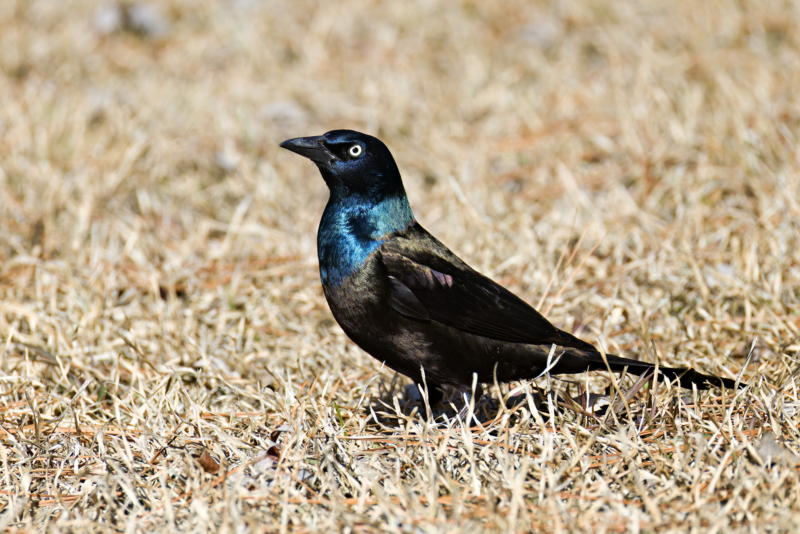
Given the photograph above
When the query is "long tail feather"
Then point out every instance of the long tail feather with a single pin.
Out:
(685, 375)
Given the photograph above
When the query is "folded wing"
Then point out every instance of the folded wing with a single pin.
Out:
(427, 285)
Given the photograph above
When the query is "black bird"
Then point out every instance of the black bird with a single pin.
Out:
(408, 301)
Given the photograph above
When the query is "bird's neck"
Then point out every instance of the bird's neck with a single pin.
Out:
(352, 229)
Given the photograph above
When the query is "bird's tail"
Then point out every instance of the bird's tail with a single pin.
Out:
(685, 375)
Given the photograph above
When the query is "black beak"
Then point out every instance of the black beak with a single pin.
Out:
(311, 148)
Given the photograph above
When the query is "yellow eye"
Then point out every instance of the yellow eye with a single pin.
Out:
(355, 151)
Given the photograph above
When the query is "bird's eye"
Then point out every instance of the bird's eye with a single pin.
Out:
(355, 151)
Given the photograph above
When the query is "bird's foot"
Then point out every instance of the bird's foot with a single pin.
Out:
(472, 403)
(425, 397)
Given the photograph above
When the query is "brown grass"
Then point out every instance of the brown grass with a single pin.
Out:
(167, 359)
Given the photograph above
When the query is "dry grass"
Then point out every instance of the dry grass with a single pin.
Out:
(167, 360)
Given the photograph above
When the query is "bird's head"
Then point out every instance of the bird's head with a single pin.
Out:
(352, 164)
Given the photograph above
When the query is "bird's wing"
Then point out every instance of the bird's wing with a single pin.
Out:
(430, 283)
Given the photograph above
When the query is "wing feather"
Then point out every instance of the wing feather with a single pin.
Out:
(428, 282)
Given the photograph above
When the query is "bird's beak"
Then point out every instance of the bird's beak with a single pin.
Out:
(311, 148)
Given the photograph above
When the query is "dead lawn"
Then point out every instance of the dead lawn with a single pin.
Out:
(168, 361)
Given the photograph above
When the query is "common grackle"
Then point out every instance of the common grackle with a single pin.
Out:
(408, 301)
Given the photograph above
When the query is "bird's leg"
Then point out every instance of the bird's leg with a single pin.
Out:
(470, 402)
(434, 394)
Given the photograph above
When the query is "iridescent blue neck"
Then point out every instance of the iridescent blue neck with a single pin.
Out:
(352, 229)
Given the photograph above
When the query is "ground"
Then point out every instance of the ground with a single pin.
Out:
(167, 358)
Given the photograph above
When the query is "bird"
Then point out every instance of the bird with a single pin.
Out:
(404, 298)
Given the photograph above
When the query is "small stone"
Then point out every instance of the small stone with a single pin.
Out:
(146, 19)
(208, 463)
(107, 19)
(141, 18)
(773, 451)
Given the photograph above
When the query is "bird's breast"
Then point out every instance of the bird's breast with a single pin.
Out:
(357, 301)
(351, 230)
(342, 255)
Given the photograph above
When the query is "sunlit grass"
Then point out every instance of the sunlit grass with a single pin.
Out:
(631, 169)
